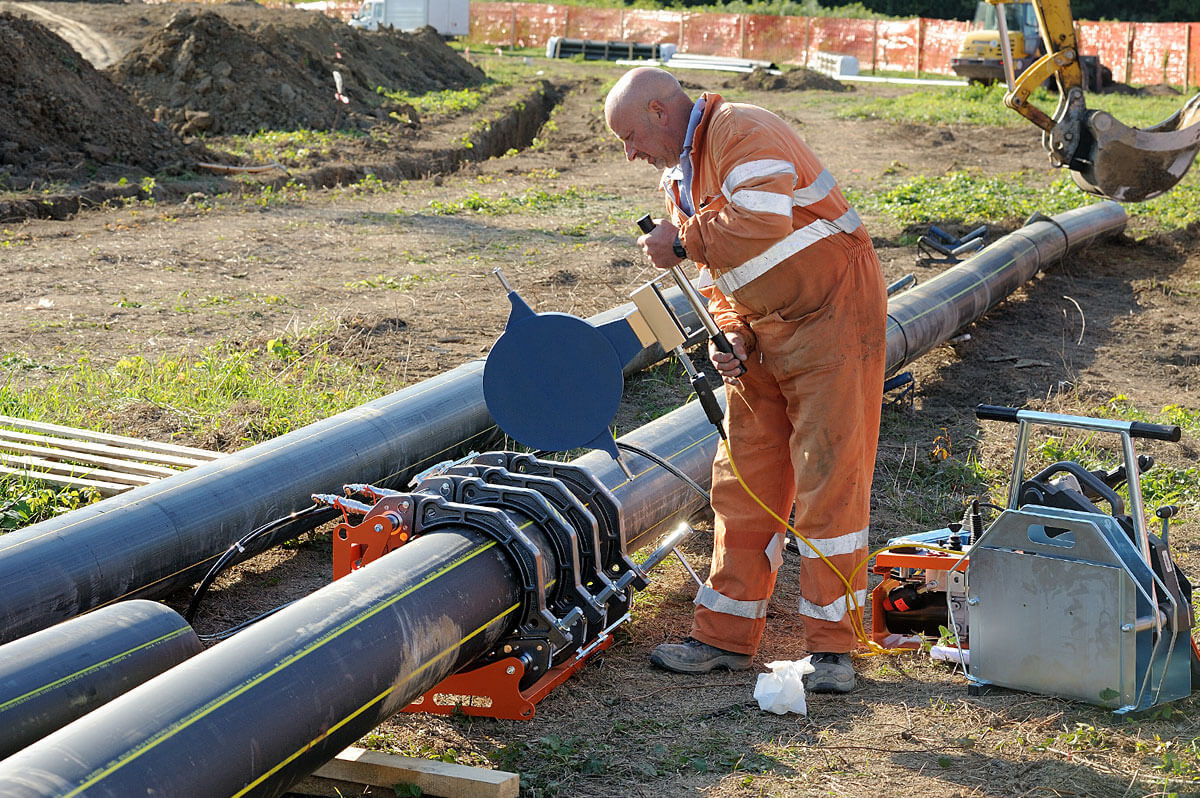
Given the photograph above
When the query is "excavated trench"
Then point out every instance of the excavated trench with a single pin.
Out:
(512, 122)
(142, 127)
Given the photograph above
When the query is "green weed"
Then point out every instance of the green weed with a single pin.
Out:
(532, 200)
(286, 147)
(967, 196)
(23, 503)
(984, 105)
(443, 102)
(404, 282)
(270, 196)
(23, 363)
(293, 382)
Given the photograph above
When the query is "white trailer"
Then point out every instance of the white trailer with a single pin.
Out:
(448, 17)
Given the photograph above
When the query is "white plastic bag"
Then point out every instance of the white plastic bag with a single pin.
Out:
(782, 690)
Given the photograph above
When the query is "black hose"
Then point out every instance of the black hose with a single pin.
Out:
(233, 552)
(216, 637)
(666, 464)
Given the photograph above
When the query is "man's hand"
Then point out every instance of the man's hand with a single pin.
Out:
(728, 365)
(659, 244)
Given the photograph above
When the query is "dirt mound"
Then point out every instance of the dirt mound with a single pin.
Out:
(799, 79)
(204, 72)
(1153, 90)
(62, 121)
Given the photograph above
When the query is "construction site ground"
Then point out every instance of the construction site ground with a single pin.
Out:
(357, 248)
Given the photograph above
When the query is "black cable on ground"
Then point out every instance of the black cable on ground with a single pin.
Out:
(316, 515)
(216, 637)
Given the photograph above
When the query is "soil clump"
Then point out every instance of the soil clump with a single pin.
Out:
(62, 121)
(799, 79)
(208, 73)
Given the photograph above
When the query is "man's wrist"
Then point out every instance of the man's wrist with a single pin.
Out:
(677, 247)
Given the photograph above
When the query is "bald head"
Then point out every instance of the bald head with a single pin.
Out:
(648, 110)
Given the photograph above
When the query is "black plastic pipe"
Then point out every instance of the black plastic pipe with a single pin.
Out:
(165, 536)
(50, 678)
(263, 709)
(321, 673)
(925, 316)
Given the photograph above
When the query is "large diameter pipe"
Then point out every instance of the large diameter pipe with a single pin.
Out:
(50, 678)
(165, 536)
(925, 316)
(261, 710)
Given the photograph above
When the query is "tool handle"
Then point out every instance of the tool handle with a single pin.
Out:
(721, 342)
(719, 339)
(708, 401)
(1137, 429)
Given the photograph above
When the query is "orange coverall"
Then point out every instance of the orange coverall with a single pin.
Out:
(795, 272)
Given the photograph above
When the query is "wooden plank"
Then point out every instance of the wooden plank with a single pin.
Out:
(101, 437)
(377, 769)
(105, 488)
(120, 452)
(52, 453)
(37, 467)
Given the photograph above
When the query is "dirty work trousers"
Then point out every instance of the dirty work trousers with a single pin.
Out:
(803, 427)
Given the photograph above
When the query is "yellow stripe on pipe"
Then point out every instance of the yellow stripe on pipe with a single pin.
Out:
(217, 703)
(96, 666)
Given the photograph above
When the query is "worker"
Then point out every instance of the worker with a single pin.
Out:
(792, 279)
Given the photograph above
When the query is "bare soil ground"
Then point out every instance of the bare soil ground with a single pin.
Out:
(374, 271)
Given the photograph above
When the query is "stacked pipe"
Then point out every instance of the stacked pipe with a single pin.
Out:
(163, 537)
(323, 672)
(259, 711)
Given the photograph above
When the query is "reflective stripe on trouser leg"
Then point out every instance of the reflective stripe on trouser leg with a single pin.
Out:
(743, 533)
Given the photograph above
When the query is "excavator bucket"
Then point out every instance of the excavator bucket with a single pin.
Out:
(1129, 164)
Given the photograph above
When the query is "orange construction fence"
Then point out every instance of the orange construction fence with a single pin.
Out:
(1137, 52)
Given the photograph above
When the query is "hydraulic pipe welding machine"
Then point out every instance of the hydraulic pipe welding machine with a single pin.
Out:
(1065, 593)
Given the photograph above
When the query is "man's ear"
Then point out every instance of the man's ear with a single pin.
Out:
(657, 112)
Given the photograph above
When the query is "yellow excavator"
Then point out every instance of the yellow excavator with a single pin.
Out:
(1106, 158)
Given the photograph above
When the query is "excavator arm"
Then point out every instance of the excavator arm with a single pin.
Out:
(1106, 158)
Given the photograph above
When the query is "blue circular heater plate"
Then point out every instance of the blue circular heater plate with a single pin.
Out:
(552, 381)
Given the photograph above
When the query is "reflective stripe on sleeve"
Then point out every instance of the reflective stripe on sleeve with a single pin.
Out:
(755, 169)
(764, 201)
(816, 191)
(707, 597)
(833, 612)
(795, 241)
(831, 547)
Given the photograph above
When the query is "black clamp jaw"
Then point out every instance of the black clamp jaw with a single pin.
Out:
(541, 512)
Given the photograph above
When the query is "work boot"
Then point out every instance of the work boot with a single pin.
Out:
(832, 673)
(692, 656)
